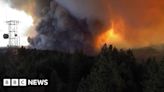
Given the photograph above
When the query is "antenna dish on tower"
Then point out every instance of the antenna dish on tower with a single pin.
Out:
(5, 36)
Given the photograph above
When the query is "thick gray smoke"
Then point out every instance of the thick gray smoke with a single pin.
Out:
(98, 9)
(59, 30)
(62, 27)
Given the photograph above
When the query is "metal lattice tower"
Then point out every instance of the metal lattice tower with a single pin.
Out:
(13, 35)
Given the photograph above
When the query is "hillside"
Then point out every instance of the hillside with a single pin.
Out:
(151, 51)
(112, 70)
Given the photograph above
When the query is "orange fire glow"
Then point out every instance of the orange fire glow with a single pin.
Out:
(107, 37)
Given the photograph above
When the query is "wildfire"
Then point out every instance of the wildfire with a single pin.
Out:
(107, 37)
(112, 35)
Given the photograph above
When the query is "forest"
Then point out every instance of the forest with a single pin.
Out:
(112, 70)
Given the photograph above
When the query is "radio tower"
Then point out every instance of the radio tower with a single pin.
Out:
(13, 35)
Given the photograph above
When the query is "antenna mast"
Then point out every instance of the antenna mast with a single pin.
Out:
(13, 35)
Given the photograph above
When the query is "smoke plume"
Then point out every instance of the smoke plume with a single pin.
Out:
(70, 25)
(60, 31)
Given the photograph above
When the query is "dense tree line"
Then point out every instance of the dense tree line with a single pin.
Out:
(112, 70)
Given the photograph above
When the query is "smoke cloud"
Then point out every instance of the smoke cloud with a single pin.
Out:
(33, 7)
(70, 25)
(60, 31)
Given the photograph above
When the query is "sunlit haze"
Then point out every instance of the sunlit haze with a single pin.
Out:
(25, 22)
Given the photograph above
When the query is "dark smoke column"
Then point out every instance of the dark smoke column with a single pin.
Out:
(58, 30)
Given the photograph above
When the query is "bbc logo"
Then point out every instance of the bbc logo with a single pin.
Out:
(25, 82)
(14, 82)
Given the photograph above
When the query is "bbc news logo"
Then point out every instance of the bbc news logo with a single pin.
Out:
(25, 82)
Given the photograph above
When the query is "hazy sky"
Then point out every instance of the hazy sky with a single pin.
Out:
(6, 14)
